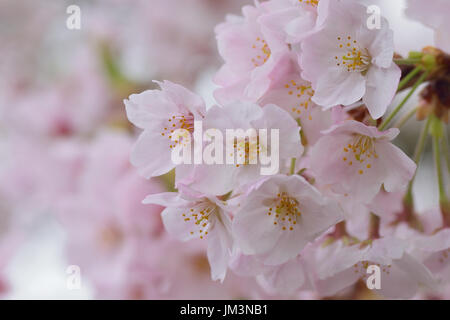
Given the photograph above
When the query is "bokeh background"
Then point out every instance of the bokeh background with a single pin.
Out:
(68, 195)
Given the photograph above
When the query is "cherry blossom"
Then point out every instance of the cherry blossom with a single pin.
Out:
(160, 113)
(190, 215)
(280, 217)
(360, 160)
(284, 145)
(401, 274)
(294, 19)
(250, 53)
(346, 61)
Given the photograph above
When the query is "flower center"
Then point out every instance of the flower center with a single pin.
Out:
(247, 150)
(202, 215)
(313, 3)
(354, 58)
(303, 93)
(285, 210)
(360, 152)
(176, 122)
(262, 52)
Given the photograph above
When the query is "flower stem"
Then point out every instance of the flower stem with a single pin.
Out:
(420, 147)
(292, 170)
(437, 159)
(407, 61)
(409, 77)
(386, 121)
(445, 149)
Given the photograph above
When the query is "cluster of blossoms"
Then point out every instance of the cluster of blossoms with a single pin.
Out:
(340, 201)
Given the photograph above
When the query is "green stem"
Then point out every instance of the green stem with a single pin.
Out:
(437, 158)
(406, 61)
(386, 121)
(446, 150)
(400, 123)
(420, 147)
(408, 78)
(292, 170)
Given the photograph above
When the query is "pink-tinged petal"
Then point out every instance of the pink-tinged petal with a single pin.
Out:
(177, 225)
(342, 257)
(398, 166)
(225, 76)
(414, 267)
(276, 118)
(339, 87)
(292, 24)
(219, 249)
(214, 179)
(330, 266)
(245, 265)
(253, 228)
(286, 278)
(288, 246)
(322, 12)
(236, 115)
(326, 167)
(151, 154)
(334, 284)
(235, 39)
(437, 242)
(166, 199)
(381, 87)
(183, 98)
(232, 92)
(148, 107)
(397, 284)
(352, 126)
(381, 48)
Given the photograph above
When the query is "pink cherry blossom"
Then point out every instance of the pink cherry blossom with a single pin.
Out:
(434, 251)
(190, 215)
(346, 61)
(250, 53)
(280, 217)
(286, 279)
(222, 178)
(294, 20)
(336, 266)
(294, 94)
(360, 159)
(160, 113)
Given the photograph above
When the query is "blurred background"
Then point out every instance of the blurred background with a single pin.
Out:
(71, 222)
